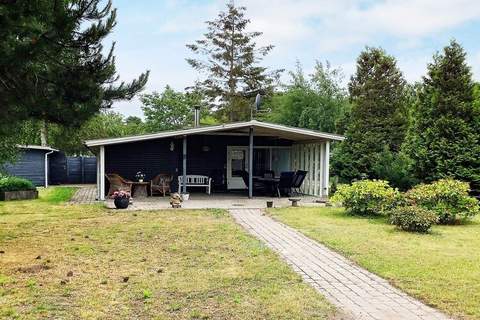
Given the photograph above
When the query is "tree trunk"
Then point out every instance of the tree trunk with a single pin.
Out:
(43, 134)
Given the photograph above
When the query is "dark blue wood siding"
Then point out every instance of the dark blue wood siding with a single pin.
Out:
(150, 157)
(66, 170)
(154, 157)
(89, 170)
(30, 165)
(58, 168)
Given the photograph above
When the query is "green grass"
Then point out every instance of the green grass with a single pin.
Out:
(56, 195)
(441, 268)
(95, 263)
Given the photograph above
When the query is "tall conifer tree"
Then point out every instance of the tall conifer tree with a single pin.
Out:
(230, 61)
(378, 117)
(53, 66)
(444, 137)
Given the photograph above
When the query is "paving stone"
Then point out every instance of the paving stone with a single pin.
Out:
(356, 291)
(86, 194)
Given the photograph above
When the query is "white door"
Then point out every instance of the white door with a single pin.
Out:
(237, 161)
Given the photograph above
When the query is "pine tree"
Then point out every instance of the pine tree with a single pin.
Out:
(230, 60)
(444, 136)
(378, 118)
(52, 63)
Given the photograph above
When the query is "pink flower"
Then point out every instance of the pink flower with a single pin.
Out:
(121, 194)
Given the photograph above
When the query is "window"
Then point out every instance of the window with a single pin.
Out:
(261, 161)
(238, 162)
(280, 160)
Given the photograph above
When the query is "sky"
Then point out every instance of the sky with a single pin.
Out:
(152, 34)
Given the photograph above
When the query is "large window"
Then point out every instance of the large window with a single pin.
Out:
(276, 159)
(280, 160)
(261, 161)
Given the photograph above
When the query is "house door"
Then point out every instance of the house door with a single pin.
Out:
(237, 161)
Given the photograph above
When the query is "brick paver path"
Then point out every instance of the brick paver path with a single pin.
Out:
(86, 194)
(357, 292)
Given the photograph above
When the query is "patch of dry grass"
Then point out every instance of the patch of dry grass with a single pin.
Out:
(441, 268)
(87, 262)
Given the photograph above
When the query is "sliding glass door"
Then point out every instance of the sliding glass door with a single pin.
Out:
(280, 160)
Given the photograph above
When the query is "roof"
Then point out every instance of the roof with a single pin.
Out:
(260, 128)
(34, 147)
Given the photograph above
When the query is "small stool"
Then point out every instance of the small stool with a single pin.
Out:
(294, 201)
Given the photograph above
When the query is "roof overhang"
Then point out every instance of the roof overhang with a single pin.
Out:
(33, 147)
(260, 128)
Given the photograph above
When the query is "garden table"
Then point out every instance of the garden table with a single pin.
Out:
(139, 189)
(270, 183)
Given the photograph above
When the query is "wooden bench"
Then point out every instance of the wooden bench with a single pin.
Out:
(196, 181)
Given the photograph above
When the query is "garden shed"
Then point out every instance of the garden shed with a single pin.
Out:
(33, 164)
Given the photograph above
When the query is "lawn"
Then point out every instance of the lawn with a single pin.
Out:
(441, 268)
(88, 262)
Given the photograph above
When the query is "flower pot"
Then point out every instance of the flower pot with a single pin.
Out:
(140, 180)
(185, 196)
(269, 204)
(121, 203)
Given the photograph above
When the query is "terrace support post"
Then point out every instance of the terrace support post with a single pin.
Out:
(102, 172)
(250, 164)
(97, 158)
(326, 167)
(184, 172)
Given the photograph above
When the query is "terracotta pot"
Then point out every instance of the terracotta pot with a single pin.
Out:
(121, 203)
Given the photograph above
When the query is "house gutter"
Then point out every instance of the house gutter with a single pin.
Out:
(46, 167)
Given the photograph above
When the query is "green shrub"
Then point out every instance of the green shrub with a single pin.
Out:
(394, 167)
(8, 183)
(367, 197)
(448, 198)
(413, 218)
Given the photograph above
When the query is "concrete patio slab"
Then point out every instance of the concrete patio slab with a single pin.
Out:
(214, 201)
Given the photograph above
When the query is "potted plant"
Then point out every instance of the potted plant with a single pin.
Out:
(121, 199)
(140, 176)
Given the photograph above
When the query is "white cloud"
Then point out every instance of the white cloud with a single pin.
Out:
(338, 24)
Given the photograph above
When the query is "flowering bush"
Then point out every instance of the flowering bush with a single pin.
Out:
(413, 218)
(368, 197)
(448, 198)
(121, 194)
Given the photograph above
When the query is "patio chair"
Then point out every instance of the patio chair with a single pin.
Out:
(298, 180)
(284, 186)
(161, 184)
(257, 185)
(117, 183)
